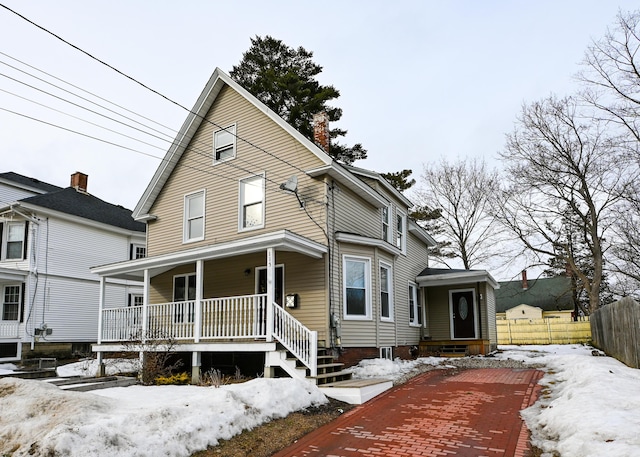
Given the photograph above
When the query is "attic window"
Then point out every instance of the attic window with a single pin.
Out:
(224, 144)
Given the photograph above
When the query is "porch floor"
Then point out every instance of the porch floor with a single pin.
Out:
(454, 348)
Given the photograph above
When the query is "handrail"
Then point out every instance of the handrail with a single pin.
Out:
(296, 338)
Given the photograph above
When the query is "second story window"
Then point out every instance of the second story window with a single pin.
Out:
(224, 144)
(13, 236)
(194, 217)
(252, 203)
(386, 223)
(401, 231)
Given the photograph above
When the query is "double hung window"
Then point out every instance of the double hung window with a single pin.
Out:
(357, 287)
(415, 309)
(194, 217)
(401, 231)
(11, 303)
(386, 292)
(252, 203)
(13, 238)
(224, 144)
(386, 224)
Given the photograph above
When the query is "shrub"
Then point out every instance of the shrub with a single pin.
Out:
(175, 379)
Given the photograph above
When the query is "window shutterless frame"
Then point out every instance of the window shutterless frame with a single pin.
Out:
(251, 203)
(386, 292)
(224, 144)
(194, 217)
(356, 288)
(401, 231)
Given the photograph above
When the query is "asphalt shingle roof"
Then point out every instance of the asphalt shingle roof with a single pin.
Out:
(71, 201)
(550, 294)
(27, 181)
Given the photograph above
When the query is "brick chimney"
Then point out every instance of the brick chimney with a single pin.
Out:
(321, 130)
(525, 284)
(79, 181)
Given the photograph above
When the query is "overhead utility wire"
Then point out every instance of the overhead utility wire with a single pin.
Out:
(87, 100)
(102, 140)
(90, 93)
(147, 87)
(196, 150)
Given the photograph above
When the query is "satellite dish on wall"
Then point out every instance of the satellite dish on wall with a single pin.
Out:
(291, 185)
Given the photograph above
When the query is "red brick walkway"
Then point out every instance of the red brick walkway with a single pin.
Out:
(470, 413)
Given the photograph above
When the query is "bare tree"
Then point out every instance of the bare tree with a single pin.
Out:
(562, 168)
(611, 76)
(460, 192)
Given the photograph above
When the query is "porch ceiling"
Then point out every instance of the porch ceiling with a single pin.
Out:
(282, 240)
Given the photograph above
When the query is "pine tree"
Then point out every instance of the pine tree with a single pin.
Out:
(284, 79)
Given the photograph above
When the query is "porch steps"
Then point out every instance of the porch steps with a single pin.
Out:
(356, 391)
(453, 350)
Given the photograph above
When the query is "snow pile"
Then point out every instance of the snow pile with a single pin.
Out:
(589, 406)
(39, 419)
(89, 367)
(7, 368)
(390, 369)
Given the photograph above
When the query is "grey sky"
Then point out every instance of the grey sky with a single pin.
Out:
(418, 79)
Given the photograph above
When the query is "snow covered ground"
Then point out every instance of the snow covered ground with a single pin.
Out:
(590, 406)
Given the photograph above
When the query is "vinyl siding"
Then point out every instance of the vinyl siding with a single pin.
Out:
(10, 194)
(195, 171)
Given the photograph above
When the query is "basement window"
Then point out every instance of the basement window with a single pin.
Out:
(386, 352)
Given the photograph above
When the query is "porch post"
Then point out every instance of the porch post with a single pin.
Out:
(101, 369)
(145, 306)
(196, 363)
(101, 308)
(271, 293)
(197, 330)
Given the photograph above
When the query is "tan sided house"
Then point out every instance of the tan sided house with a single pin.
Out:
(260, 245)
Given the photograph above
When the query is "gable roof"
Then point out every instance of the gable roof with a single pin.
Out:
(27, 183)
(80, 204)
(196, 116)
(549, 294)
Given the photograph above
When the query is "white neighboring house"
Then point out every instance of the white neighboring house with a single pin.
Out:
(49, 238)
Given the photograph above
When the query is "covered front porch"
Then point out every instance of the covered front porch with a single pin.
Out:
(202, 316)
(461, 316)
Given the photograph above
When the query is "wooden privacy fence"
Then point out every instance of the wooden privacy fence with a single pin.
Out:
(543, 331)
(616, 330)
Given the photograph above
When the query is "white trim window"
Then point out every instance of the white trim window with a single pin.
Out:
(138, 251)
(401, 231)
(386, 224)
(386, 292)
(415, 308)
(13, 236)
(252, 203)
(386, 352)
(11, 303)
(224, 144)
(194, 216)
(356, 287)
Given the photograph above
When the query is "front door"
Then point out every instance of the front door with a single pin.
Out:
(463, 313)
(278, 282)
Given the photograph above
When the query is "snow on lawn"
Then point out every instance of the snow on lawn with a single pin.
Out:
(89, 367)
(39, 419)
(7, 368)
(589, 406)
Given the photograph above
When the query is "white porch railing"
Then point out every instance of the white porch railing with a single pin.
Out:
(298, 339)
(9, 329)
(235, 317)
(239, 317)
(121, 324)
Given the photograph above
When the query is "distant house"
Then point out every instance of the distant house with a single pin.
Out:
(535, 299)
(261, 245)
(49, 238)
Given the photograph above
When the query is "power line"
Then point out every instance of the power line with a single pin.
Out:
(145, 86)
